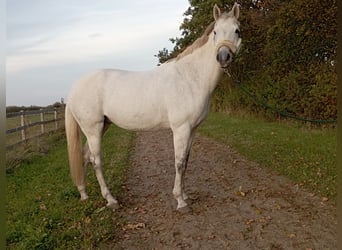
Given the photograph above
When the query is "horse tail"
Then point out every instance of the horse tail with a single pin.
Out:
(75, 152)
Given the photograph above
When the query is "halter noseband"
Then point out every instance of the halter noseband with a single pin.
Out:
(228, 44)
(232, 48)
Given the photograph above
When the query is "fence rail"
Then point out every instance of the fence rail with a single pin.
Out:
(32, 124)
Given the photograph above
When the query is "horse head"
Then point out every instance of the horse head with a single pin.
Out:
(226, 34)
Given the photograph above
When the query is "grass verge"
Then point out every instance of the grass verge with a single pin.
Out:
(32, 149)
(43, 207)
(307, 156)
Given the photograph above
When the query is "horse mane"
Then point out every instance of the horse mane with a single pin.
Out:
(199, 42)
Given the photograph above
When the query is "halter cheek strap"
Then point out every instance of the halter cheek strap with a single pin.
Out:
(228, 44)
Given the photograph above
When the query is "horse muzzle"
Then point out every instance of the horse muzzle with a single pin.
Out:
(226, 50)
(224, 56)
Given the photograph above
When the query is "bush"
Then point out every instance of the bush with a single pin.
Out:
(287, 60)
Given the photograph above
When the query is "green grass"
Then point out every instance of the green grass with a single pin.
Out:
(307, 156)
(43, 207)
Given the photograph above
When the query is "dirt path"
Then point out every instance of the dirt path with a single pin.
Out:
(235, 204)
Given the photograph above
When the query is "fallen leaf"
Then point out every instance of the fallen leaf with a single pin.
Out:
(243, 194)
(262, 220)
(325, 199)
(278, 207)
(77, 225)
(257, 211)
(211, 237)
(250, 221)
(87, 220)
(292, 235)
(42, 207)
(134, 226)
(99, 210)
(240, 192)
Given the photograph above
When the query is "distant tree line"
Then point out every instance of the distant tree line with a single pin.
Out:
(287, 59)
(10, 109)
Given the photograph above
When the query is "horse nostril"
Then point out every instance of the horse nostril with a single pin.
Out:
(223, 56)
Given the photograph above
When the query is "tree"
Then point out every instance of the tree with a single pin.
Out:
(287, 58)
(301, 50)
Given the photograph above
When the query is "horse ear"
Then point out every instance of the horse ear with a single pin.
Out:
(217, 12)
(236, 10)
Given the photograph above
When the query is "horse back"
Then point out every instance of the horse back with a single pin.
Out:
(148, 100)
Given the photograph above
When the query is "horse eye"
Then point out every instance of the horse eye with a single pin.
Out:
(237, 31)
(214, 33)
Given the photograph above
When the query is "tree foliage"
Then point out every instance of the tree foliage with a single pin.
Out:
(287, 58)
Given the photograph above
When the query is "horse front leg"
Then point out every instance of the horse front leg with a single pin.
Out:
(182, 140)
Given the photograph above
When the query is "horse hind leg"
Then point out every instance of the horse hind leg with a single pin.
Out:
(94, 143)
(87, 160)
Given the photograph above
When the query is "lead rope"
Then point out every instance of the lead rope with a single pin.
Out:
(226, 71)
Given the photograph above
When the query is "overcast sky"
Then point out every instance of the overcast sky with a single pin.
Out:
(50, 43)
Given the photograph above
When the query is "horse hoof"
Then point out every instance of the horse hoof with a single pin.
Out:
(185, 210)
(83, 194)
(113, 205)
(84, 198)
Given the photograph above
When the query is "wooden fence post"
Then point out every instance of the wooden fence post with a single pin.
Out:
(22, 123)
(42, 129)
(56, 116)
(24, 132)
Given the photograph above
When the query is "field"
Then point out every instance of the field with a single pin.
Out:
(43, 206)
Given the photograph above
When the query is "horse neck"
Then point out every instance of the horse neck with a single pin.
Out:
(202, 66)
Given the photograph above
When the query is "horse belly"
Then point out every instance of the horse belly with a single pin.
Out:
(138, 117)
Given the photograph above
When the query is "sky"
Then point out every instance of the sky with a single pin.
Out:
(51, 44)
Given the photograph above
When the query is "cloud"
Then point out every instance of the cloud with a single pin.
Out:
(51, 43)
(78, 44)
(114, 33)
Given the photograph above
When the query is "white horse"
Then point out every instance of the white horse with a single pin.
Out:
(175, 95)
